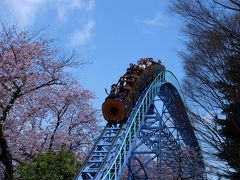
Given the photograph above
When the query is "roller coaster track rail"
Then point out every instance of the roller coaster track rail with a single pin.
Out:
(115, 145)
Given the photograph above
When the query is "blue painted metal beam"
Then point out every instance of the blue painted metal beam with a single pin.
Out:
(107, 160)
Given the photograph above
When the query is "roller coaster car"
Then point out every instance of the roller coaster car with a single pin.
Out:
(117, 110)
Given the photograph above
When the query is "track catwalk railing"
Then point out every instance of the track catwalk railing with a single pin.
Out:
(123, 152)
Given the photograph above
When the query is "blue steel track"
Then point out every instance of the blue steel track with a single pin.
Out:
(117, 143)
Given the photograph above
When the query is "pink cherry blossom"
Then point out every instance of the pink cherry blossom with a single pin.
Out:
(41, 106)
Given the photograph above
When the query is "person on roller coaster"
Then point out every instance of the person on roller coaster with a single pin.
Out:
(130, 67)
(137, 70)
(113, 93)
(159, 62)
(131, 70)
(138, 63)
(151, 60)
(142, 65)
(162, 66)
(148, 62)
(121, 89)
(130, 80)
(145, 61)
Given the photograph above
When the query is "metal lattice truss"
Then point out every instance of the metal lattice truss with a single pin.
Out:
(157, 150)
(146, 132)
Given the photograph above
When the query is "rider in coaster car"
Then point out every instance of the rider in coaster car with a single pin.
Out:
(131, 69)
(149, 62)
(113, 93)
(137, 70)
(142, 65)
(130, 80)
(162, 66)
(121, 89)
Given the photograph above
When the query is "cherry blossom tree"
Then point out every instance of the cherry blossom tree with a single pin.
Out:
(41, 106)
(62, 117)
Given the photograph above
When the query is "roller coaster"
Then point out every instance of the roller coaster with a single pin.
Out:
(156, 128)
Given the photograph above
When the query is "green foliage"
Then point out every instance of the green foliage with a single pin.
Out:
(50, 165)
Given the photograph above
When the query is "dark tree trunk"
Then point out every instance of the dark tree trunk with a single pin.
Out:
(6, 157)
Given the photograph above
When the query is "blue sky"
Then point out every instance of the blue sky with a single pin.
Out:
(109, 34)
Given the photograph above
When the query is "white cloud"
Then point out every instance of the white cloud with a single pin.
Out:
(25, 11)
(157, 20)
(90, 5)
(64, 7)
(80, 37)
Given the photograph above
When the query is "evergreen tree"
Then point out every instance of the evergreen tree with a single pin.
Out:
(230, 125)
